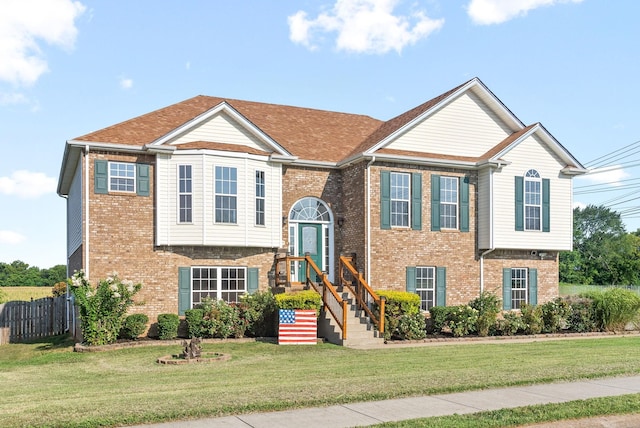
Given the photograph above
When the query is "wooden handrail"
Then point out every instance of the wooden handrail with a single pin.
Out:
(330, 297)
(362, 292)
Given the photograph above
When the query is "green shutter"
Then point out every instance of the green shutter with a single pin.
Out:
(519, 203)
(252, 280)
(441, 286)
(435, 202)
(184, 289)
(411, 279)
(142, 179)
(385, 200)
(533, 286)
(506, 289)
(464, 204)
(545, 204)
(100, 176)
(416, 201)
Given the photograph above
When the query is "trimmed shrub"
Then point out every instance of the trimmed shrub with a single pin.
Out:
(261, 313)
(582, 318)
(614, 307)
(194, 318)
(462, 320)
(306, 299)
(488, 307)
(402, 317)
(510, 324)
(439, 316)
(531, 317)
(133, 326)
(168, 326)
(554, 314)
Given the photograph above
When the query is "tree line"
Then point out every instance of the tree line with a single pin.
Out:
(19, 273)
(603, 252)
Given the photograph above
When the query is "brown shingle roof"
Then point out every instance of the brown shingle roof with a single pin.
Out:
(307, 133)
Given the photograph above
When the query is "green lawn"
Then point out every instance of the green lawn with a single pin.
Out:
(46, 384)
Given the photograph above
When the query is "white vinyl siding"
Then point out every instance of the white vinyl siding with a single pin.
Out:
(441, 132)
(530, 154)
(220, 128)
(74, 212)
(203, 230)
(484, 208)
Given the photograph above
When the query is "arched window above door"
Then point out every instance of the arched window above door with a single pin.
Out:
(310, 209)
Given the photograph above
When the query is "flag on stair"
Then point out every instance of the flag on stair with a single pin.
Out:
(297, 327)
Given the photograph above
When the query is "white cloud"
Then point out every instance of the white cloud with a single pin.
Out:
(27, 184)
(363, 26)
(487, 12)
(126, 83)
(612, 175)
(24, 25)
(10, 237)
(13, 98)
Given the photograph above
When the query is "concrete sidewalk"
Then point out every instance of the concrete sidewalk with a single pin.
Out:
(375, 412)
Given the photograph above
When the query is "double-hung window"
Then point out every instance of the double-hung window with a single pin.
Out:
(519, 287)
(260, 198)
(426, 287)
(226, 194)
(185, 194)
(122, 177)
(449, 202)
(218, 283)
(400, 199)
(532, 200)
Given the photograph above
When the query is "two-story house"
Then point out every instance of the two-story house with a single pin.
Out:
(445, 200)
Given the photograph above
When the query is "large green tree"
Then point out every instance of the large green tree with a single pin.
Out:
(19, 273)
(603, 252)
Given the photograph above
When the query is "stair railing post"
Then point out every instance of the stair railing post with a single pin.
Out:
(344, 320)
(381, 322)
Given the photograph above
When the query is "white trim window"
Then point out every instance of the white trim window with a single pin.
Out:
(400, 201)
(260, 198)
(519, 287)
(532, 200)
(226, 194)
(449, 202)
(218, 283)
(185, 194)
(122, 177)
(426, 287)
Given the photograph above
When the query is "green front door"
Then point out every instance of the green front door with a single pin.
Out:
(310, 241)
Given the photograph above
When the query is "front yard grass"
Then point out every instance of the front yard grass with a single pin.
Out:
(46, 384)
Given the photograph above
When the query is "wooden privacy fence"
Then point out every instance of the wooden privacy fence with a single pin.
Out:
(20, 321)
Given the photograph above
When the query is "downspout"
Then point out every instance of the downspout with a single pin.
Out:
(86, 209)
(373, 159)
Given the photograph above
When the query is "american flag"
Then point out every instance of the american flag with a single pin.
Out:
(297, 327)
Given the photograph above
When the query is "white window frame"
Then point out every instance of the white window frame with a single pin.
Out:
(532, 200)
(185, 194)
(128, 179)
(400, 197)
(261, 202)
(426, 286)
(519, 287)
(449, 201)
(203, 285)
(225, 188)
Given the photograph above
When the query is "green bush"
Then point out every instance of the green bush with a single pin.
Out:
(402, 317)
(614, 308)
(554, 314)
(261, 313)
(306, 299)
(532, 318)
(439, 317)
(168, 326)
(133, 326)
(194, 318)
(462, 320)
(582, 317)
(510, 324)
(488, 307)
(103, 308)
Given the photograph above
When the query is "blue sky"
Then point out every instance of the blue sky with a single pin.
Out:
(71, 67)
